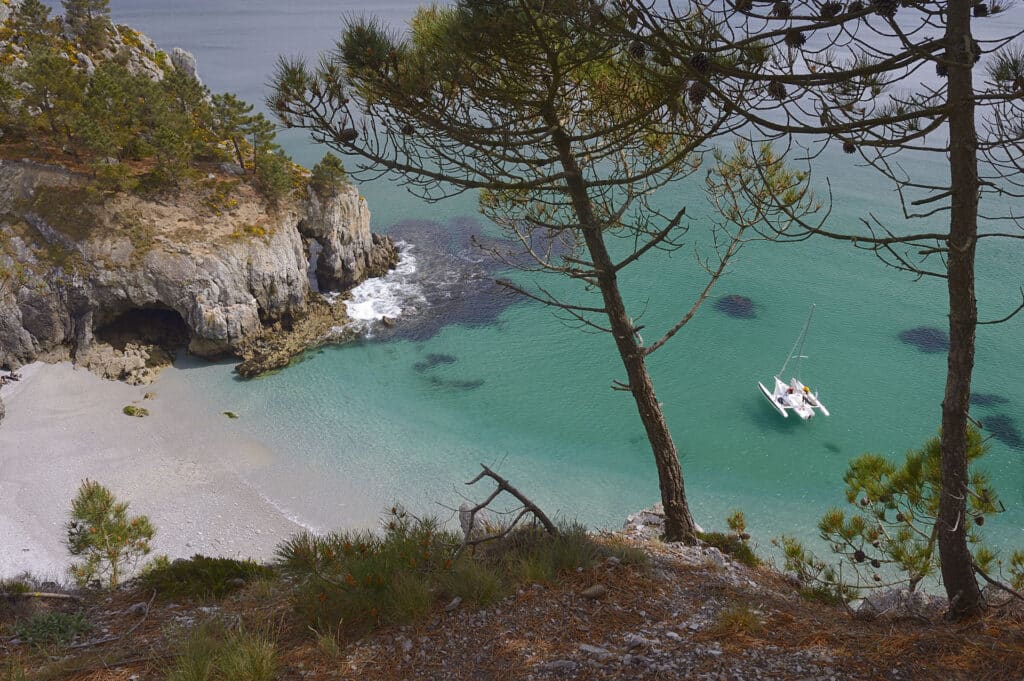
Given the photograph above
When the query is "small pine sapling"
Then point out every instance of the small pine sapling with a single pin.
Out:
(101, 532)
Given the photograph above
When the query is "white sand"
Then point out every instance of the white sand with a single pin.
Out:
(180, 466)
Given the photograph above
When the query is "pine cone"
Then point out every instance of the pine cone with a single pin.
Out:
(981, 10)
(697, 93)
(700, 62)
(782, 9)
(744, 5)
(831, 9)
(855, 6)
(885, 8)
(637, 50)
(941, 70)
(795, 38)
(859, 556)
(849, 148)
(777, 90)
(408, 129)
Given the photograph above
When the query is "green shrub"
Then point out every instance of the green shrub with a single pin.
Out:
(275, 177)
(102, 533)
(201, 577)
(139, 412)
(356, 581)
(627, 553)
(52, 628)
(731, 545)
(361, 580)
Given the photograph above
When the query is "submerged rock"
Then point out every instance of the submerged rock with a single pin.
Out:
(988, 399)
(1004, 429)
(434, 359)
(736, 306)
(456, 384)
(926, 339)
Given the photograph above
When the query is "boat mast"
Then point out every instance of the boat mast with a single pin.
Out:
(798, 347)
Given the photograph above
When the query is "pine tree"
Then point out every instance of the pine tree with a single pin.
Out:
(32, 21)
(231, 116)
(88, 20)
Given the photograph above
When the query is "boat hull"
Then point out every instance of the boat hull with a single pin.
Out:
(771, 400)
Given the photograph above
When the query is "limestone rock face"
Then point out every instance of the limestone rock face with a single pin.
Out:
(339, 221)
(185, 62)
(174, 269)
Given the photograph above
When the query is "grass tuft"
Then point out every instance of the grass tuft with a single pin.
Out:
(209, 653)
(736, 620)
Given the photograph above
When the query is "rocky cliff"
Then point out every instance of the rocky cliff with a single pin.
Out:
(107, 281)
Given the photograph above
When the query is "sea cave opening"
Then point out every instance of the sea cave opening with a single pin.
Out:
(160, 326)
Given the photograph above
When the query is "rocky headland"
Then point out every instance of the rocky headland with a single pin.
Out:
(103, 266)
(110, 282)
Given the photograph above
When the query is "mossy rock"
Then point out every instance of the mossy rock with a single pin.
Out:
(138, 412)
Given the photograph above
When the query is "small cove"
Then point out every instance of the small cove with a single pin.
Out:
(525, 392)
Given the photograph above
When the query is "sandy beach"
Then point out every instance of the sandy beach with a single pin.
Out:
(181, 466)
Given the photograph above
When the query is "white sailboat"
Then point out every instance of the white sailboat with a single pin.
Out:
(794, 396)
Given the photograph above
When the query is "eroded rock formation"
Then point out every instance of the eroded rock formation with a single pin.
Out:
(220, 269)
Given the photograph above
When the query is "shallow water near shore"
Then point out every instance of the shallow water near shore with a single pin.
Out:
(410, 412)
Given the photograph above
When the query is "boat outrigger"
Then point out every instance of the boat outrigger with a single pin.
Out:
(794, 396)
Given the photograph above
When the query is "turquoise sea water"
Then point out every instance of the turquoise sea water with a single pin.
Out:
(379, 420)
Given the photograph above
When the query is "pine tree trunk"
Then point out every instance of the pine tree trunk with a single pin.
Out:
(965, 599)
(679, 524)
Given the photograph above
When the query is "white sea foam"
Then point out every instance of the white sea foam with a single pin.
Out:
(395, 294)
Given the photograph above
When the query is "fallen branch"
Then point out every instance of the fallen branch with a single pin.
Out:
(13, 595)
(996, 583)
(503, 485)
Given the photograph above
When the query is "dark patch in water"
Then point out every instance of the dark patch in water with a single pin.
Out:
(434, 359)
(453, 384)
(833, 447)
(926, 339)
(1004, 429)
(736, 306)
(456, 265)
(988, 399)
